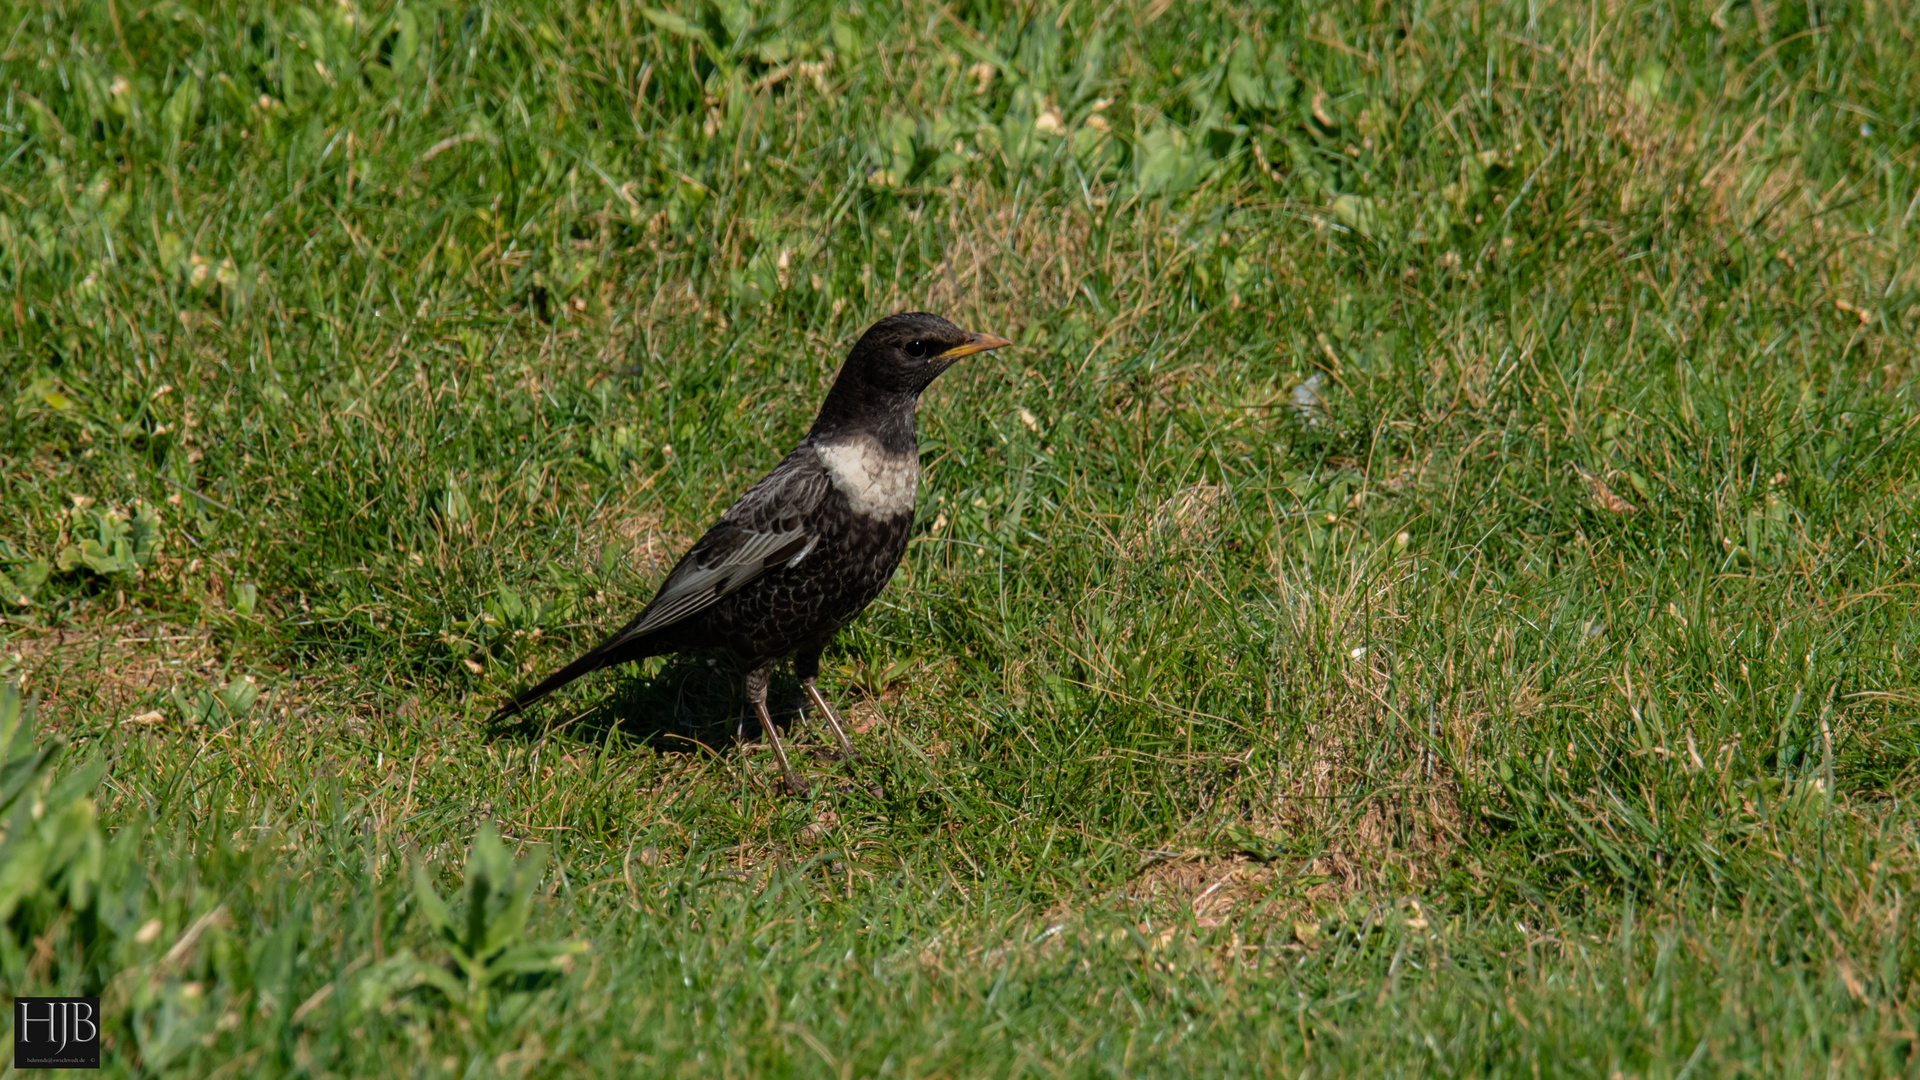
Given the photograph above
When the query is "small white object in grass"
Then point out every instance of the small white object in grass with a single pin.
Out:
(154, 716)
(149, 931)
(1403, 539)
(1308, 405)
(1357, 652)
(1049, 122)
(816, 71)
(1032, 421)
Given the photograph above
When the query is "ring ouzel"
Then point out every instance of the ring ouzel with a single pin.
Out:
(811, 545)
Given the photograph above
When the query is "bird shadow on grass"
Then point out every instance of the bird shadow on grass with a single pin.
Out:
(692, 705)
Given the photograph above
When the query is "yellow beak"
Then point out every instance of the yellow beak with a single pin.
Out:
(974, 344)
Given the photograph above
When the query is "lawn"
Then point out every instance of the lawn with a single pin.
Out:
(1431, 591)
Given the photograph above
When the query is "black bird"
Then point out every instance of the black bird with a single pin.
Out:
(811, 545)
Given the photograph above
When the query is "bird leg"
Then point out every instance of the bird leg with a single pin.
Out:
(806, 667)
(833, 721)
(794, 783)
(756, 686)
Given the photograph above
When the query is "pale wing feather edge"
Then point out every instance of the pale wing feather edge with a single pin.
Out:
(788, 494)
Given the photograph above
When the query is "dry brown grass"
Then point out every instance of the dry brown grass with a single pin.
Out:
(85, 671)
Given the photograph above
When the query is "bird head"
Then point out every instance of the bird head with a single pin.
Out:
(879, 387)
(904, 353)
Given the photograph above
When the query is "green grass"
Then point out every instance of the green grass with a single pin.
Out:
(1541, 702)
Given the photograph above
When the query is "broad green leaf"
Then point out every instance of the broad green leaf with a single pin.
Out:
(1245, 79)
(674, 24)
(433, 909)
(1356, 212)
(177, 115)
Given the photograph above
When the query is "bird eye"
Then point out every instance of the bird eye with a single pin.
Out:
(916, 349)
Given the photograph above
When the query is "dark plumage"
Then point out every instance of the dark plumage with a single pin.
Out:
(811, 545)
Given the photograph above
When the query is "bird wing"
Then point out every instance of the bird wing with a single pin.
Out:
(767, 527)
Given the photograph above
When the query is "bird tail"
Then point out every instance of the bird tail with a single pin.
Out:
(612, 651)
